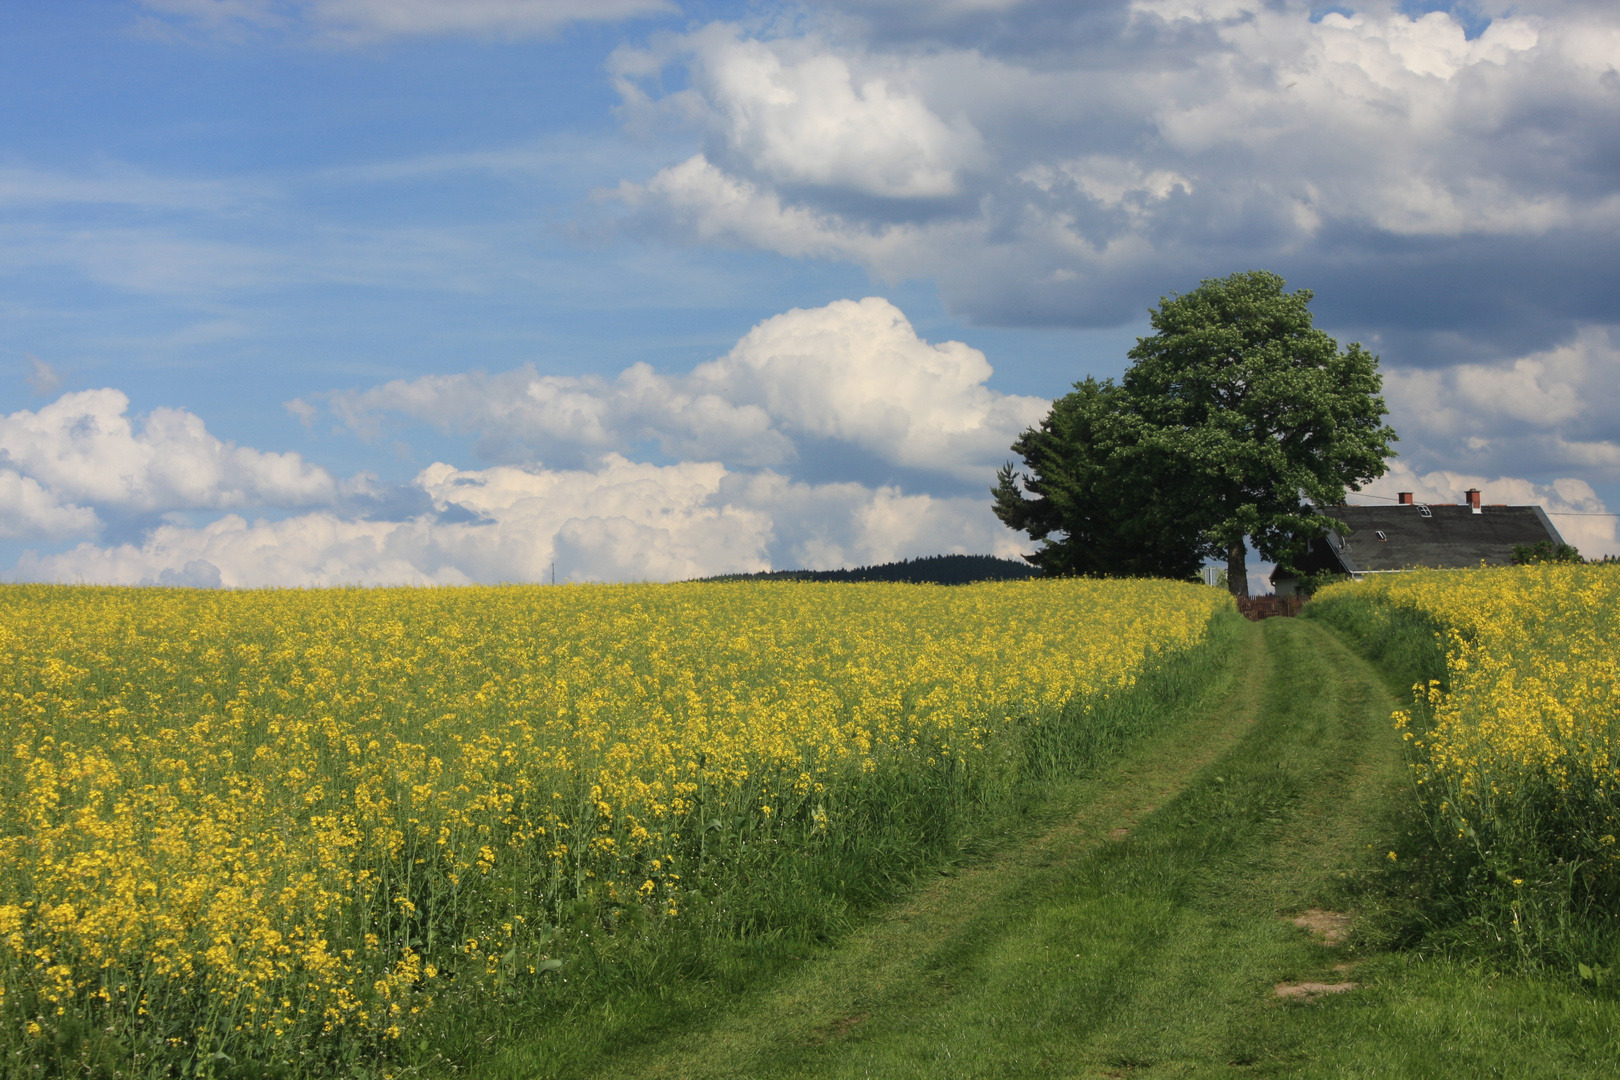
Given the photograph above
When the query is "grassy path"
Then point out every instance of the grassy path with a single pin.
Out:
(1144, 930)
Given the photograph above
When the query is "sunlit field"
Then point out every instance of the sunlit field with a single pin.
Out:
(292, 827)
(1516, 742)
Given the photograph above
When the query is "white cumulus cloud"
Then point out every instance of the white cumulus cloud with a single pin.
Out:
(1554, 409)
(1078, 161)
(28, 511)
(857, 372)
(84, 448)
(853, 372)
(799, 114)
(618, 521)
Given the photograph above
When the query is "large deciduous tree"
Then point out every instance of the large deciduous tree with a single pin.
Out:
(1234, 416)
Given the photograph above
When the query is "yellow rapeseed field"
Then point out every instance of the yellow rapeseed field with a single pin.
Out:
(233, 821)
(1522, 753)
(1532, 667)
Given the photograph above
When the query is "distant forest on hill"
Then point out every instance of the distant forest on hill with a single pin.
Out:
(928, 570)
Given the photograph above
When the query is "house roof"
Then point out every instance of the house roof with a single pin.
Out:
(1447, 537)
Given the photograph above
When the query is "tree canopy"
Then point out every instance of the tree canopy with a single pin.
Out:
(1235, 416)
(1545, 551)
(1086, 461)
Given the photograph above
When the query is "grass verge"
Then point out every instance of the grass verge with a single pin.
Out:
(681, 980)
(1511, 857)
(1144, 927)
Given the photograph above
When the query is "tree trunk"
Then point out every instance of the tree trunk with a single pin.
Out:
(1237, 569)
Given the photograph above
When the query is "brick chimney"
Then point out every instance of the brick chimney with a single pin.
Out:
(1473, 499)
(1405, 497)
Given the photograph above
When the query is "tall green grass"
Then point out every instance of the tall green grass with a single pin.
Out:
(1519, 869)
(765, 899)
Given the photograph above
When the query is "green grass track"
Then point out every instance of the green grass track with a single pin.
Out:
(1141, 929)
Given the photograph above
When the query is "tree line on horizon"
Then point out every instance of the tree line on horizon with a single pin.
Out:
(926, 570)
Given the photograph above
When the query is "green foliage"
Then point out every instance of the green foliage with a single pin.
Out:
(1091, 505)
(770, 897)
(1236, 415)
(1310, 584)
(1071, 951)
(1251, 407)
(1544, 551)
(1532, 885)
(1403, 641)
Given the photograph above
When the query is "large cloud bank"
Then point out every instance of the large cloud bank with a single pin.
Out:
(852, 373)
(1064, 179)
(1444, 181)
(82, 453)
(852, 380)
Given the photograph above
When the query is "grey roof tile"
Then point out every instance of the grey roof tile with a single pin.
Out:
(1452, 537)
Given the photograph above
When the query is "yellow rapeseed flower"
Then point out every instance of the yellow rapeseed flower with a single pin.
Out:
(263, 814)
(1531, 703)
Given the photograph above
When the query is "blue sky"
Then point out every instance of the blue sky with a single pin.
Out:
(302, 291)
